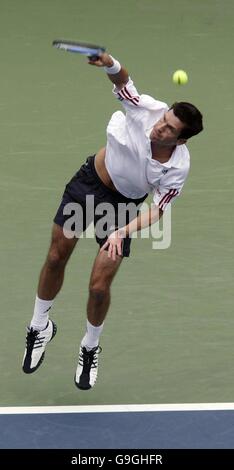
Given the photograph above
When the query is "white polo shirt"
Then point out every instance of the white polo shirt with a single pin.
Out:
(129, 159)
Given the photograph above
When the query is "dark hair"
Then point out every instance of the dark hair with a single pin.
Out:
(191, 118)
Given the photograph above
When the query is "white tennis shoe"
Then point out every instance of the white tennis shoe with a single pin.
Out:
(87, 369)
(36, 342)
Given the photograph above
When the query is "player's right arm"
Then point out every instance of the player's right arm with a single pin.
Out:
(105, 60)
(124, 88)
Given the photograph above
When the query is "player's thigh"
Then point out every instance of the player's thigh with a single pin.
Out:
(104, 270)
(62, 243)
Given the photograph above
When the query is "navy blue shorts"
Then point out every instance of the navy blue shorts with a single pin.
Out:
(86, 183)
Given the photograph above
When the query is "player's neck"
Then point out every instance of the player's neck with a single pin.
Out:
(160, 153)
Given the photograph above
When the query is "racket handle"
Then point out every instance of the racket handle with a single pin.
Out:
(93, 57)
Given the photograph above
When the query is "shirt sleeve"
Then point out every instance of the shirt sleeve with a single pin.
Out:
(128, 95)
(170, 187)
(135, 104)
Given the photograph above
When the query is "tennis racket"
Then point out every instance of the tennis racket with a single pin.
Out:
(91, 50)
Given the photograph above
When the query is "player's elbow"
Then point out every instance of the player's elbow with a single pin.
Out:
(155, 214)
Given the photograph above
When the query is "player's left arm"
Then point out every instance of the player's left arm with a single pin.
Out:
(169, 189)
(143, 220)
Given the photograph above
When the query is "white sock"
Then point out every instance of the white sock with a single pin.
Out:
(41, 314)
(91, 338)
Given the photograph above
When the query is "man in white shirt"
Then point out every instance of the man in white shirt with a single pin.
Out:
(145, 152)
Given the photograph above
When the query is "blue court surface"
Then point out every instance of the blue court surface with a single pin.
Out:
(192, 426)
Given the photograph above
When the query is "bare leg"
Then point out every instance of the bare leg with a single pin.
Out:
(52, 273)
(103, 272)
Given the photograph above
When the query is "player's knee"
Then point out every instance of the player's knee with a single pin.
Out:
(56, 260)
(98, 293)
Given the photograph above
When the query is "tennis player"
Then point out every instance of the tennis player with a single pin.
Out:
(145, 152)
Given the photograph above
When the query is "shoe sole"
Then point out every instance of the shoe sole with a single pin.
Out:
(26, 366)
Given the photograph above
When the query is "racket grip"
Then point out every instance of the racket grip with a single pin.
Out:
(93, 57)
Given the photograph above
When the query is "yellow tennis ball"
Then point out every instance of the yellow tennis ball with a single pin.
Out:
(180, 77)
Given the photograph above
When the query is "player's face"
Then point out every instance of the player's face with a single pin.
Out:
(167, 130)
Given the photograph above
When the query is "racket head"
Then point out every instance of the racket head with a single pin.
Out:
(93, 51)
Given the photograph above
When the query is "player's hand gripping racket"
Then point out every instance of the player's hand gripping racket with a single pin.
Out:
(90, 50)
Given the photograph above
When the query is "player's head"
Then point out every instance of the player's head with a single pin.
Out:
(178, 124)
(190, 116)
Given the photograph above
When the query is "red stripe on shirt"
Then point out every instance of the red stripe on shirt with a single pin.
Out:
(132, 100)
(167, 197)
(161, 202)
(124, 95)
(119, 95)
(136, 98)
(170, 197)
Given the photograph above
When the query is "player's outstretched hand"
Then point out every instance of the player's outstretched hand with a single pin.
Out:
(114, 244)
(104, 60)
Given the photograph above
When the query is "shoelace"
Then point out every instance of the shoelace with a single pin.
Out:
(32, 339)
(88, 359)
